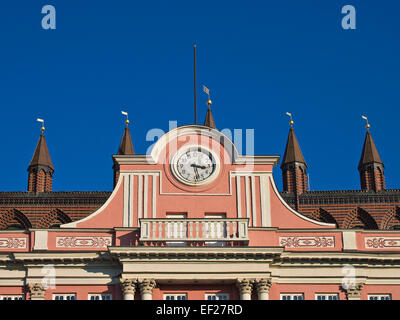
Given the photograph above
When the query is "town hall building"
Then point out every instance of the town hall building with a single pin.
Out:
(194, 219)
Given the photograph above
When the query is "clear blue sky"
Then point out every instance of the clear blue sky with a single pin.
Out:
(259, 58)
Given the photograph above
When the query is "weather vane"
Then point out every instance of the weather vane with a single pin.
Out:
(366, 119)
(42, 122)
(291, 119)
(207, 91)
(125, 114)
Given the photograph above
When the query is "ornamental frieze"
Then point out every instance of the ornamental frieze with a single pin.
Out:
(13, 243)
(307, 242)
(382, 242)
(83, 242)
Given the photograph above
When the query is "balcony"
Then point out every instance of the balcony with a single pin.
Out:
(210, 231)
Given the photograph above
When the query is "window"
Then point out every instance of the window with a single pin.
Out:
(100, 296)
(175, 296)
(327, 296)
(217, 296)
(12, 297)
(379, 297)
(292, 296)
(64, 296)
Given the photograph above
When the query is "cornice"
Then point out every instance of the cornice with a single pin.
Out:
(263, 254)
(339, 258)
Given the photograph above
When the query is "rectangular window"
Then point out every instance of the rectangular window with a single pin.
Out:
(100, 296)
(379, 297)
(175, 296)
(292, 296)
(12, 297)
(217, 296)
(327, 296)
(64, 296)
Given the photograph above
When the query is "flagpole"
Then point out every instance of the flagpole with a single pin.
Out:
(195, 86)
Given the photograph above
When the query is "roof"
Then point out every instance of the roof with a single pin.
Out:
(126, 146)
(41, 157)
(209, 121)
(292, 151)
(369, 152)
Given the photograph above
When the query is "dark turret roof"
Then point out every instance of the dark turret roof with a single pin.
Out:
(41, 157)
(292, 152)
(209, 121)
(369, 152)
(126, 146)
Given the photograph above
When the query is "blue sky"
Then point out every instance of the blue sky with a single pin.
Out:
(259, 58)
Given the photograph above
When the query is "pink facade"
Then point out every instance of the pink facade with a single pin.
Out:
(231, 233)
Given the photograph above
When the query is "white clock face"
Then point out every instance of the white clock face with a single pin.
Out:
(195, 165)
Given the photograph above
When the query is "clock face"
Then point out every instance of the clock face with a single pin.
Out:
(195, 165)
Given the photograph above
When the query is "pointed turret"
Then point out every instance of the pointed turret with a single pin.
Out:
(371, 167)
(292, 151)
(125, 148)
(209, 121)
(294, 167)
(40, 178)
(126, 145)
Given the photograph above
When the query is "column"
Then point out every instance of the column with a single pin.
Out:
(128, 288)
(245, 287)
(353, 292)
(37, 291)
(263, 286)
(146, 287)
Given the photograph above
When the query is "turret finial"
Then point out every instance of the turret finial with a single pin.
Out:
(42, 122)
(207, 91)
(127, 120)
(291, 122)
(367, 125)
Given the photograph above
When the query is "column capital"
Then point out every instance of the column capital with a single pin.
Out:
(263, 285)
(244, 285)
(146, 286)
(353, 292)
(128, 286)
(36, 290)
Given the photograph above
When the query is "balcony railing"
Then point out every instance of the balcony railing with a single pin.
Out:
(181, 230)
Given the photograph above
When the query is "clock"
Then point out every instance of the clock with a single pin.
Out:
(195, 165)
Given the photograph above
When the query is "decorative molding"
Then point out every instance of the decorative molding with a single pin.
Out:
(307, 242)
(263, 285)
(37, 291)
(244, 285)
(83, 242)
(354, 291)
(13, 243)
(146, 286)
(128, 286)
(382, 242)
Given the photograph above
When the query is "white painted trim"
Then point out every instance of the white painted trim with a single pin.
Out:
(246, 180)
(238, 196)
(40, 240)
(126, 200)
(253, 201)
(131, 189)
(349, 240)
(105, 205)
(140, 195)
(265, 201)
(145, 195)
(154, 195)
